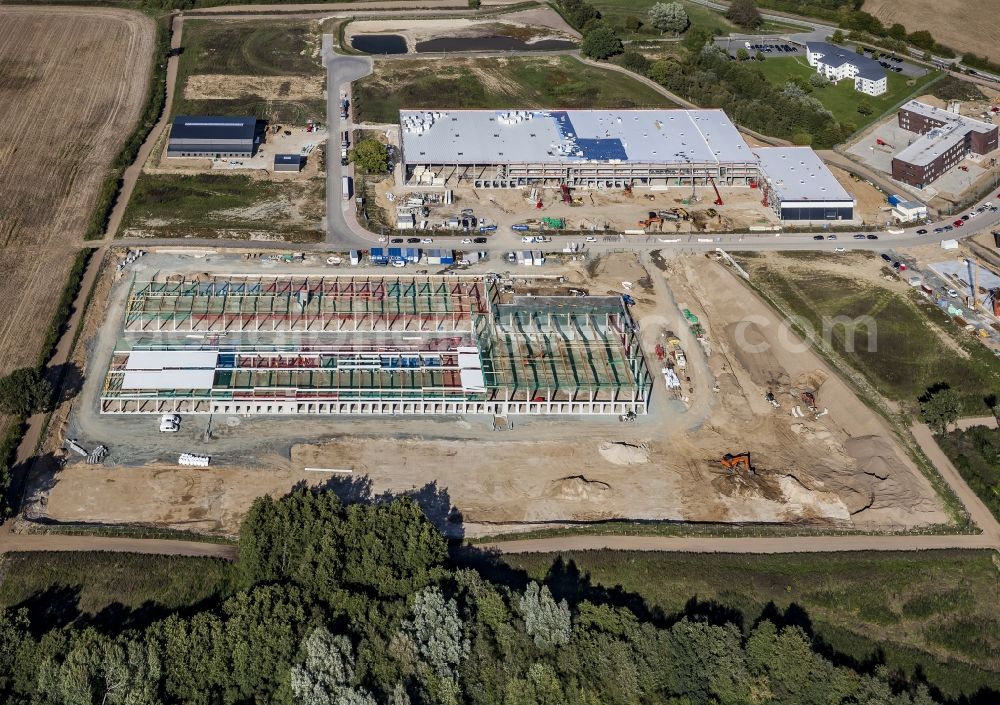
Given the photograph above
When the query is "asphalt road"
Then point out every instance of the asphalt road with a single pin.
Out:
(340, 70)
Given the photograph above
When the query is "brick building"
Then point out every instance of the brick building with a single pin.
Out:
(946, 139)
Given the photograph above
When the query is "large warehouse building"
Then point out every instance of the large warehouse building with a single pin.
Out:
(798, 186)
(371, 345)
(946, 139)
(215, 137)
(597, 149)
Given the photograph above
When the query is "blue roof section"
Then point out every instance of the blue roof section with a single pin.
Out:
(287, 158)
(201, 127)
(600, 148)
(836, 56)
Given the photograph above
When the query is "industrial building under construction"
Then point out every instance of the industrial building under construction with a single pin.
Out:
(371, 345)
(614, 149)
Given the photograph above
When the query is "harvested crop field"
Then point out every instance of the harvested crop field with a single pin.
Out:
(72, 84)
(967, 26)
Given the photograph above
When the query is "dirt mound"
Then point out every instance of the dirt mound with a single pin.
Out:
(874, 455)
(812, 380)
(624, 453)
(577, 487)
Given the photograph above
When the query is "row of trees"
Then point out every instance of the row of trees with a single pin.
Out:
(359, 605)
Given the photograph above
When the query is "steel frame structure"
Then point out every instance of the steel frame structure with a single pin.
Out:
(382, 345)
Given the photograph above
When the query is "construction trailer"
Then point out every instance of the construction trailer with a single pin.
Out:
(371, 345)
(289, 162)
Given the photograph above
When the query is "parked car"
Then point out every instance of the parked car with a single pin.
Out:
(466, 240)
(922, 231)
(947, 228)
(886, 257)
(959, 223)
(840, 249)
(396, 240)
(872, 236)
(170, 423)
(479, 240)
(413, 240)
(591, 238)
(426, 240)
(952, 293)
(939, 230)
(831, 236)
(859, 236)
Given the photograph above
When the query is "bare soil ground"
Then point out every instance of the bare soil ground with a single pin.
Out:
(72, 83)
(843, 468)
(964, 25)
(223, 86)
(871, 206)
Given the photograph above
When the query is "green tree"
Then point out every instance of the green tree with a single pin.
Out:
(548, 622)
(435, 631)
(633, 24)
(601, 42)
(897, 31)
(635, 62)
(371, 156)
(940, 408)
(744, 13)
(742, 54)
(837, 37)
(864, 107)
(328, 672)
(818, 80)
(24, 391)
(669, 17)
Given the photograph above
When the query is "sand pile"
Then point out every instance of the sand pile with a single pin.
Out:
(873, 455)
(576, 488)
(624, 453)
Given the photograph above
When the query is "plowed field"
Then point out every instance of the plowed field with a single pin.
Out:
(964, 25)
(72, 84)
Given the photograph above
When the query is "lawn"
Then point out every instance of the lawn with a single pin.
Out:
(933, 612)
(495, 83)
(220, 205)
(917, 345)
(111, 589)
(272, 49)
(840, 98)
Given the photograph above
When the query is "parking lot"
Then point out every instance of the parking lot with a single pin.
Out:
(891, 62)
(766, 46)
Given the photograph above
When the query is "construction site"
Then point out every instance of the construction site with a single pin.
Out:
(371, 345)
(535, 400)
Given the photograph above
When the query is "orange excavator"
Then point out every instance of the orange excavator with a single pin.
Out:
(732, 463)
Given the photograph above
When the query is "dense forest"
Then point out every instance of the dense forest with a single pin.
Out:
(364, 604)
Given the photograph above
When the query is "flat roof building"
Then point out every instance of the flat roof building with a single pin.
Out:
(946, 139)
(214, 136)
(837, 63)
(288, 162)
(799, 186)
(605, 149)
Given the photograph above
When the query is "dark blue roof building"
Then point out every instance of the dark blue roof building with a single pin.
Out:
(214, 136)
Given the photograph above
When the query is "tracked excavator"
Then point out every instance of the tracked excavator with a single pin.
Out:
(732, 463)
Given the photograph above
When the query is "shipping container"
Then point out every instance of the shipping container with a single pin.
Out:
(346, 183)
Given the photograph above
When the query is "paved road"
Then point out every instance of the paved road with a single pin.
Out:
(820, 31)
(340, 70)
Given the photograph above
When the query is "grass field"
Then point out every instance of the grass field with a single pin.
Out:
(559, 81)
(840, 98)
(114, 588)
(976, 455)
(935, 611)
(917, 344)
(617, 12)
(246, 54)
(231, 206)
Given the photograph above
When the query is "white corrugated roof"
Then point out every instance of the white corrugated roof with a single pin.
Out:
(798, 174)
(473, 381)
(171, 359)
(168, 379)
(496, 137)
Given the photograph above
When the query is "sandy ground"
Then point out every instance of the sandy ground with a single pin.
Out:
(72, 82)
(964, 25)
(871, 205)
(842, 468)
(599, 210)
(224, 86)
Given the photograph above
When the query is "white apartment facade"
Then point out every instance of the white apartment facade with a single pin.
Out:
(836, 64)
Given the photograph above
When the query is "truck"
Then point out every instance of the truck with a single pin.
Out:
(344, 105)
(346, 183)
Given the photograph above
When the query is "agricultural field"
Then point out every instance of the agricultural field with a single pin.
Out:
(495, 83)
(840, 98)
(932, 611)
(916, 345)
(967, 26)
(73, 83)
(622, 13)
(270, 70)
(220, 205)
